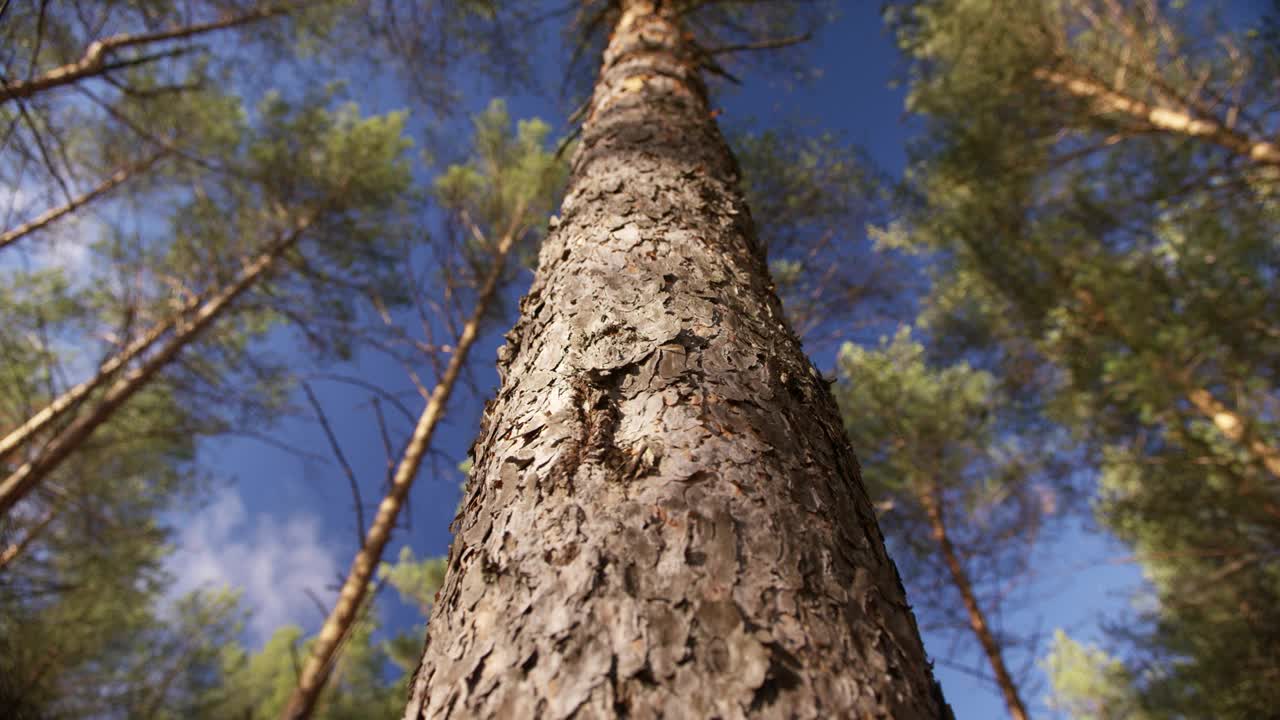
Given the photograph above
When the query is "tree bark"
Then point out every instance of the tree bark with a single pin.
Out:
(664, 517)
(977, 619)
(337, 626)
(68, 439)
(53, 214)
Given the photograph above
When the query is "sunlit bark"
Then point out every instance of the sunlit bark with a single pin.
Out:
(664, 517)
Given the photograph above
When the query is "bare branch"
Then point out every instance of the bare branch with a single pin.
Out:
(53, 214)
(772, 44)
(342, 460)
(96, 58)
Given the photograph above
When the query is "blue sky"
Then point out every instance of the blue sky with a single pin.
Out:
(284, 525)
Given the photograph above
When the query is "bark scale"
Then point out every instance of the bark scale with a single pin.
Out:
(27, 476)
(977, 619)
(664, 517)
(338, 625)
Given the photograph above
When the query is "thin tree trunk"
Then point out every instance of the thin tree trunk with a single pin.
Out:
(14, 551)
(326, 647)
(49, 216)
(1234, 427)
(1178, 122)
(67, 440)
(664, 517)
(977, 619)
(97, 57)
(70, 399)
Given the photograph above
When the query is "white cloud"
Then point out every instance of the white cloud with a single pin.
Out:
(70, 248)
(273, 561)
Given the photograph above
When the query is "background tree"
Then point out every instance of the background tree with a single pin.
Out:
(330, 197)
(260, 684)
(1093, 186)
(962, 494)
(811, 198)
(499, 198)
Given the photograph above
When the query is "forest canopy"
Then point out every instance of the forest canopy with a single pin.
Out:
(357, 353)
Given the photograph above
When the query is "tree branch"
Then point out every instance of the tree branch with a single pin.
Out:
(49, 216)
(772, 44)
(342, 460)
(1179, 122)
(95, 60)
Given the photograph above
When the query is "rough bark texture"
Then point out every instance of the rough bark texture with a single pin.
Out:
(932, 502)
(664, 518)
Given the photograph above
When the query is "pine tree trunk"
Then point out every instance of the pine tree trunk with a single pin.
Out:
(338, 625)
(664, 517)
(933, 507)
(32, 472)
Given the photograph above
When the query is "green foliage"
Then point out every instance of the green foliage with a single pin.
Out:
(41, 306)
(1089, 684)
(140, 663)
(259, 684)
(131, 653)
(796, 185)
(1205, 536)
(1125, 271)
(416, 580)
(82, 619)
(932, 437)
(509, 184)
(940, 419)
(87, 625)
